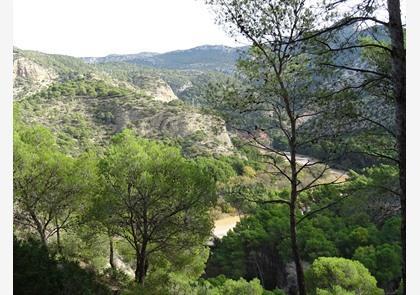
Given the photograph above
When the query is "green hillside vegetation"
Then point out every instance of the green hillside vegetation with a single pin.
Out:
(84, 112)
(188, 84)
(63, 64)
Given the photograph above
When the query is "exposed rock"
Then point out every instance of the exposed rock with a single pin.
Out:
(29, 77)
(122, 266)
(161, 91)
(206, 131)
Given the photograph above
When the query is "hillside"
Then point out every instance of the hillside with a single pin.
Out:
(188, 85)
(85, 105)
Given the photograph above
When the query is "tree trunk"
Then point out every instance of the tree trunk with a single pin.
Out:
(399, 83)
(57, 233)
(295, 250)
(59, 250)
(43, 237)
(292, 212)
(39, 228)
(141, 265)
(111, 252)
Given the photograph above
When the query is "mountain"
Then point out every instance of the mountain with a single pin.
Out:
(85, 105)
(207, 57)
(119, 57)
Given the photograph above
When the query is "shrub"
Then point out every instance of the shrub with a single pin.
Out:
(333, 275)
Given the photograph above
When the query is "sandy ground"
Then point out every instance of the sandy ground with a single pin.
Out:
(224, 224)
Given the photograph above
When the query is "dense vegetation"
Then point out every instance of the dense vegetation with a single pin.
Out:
(78, 197)
(114, 195)
(260, 247)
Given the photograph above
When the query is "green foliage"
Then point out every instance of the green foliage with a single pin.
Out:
(236, 163)
(335, 290)
(34, 272)
(338, 231)
(49, 186)
(67, 66)
(218, 169)
(85, 242)
(116, 278)
(375, 194)
(81, 87)
(241, 287)
(222, 285)
(383, 261)
(316, 243)
(262, 236)
(333, 275)
(158, 190)
(175, 274)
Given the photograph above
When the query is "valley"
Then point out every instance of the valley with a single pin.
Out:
(214, 170)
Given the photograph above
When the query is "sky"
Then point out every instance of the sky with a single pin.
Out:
(102, 27)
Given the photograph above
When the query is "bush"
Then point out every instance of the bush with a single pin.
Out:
(336, 276)
(35, 272)
(222, 286)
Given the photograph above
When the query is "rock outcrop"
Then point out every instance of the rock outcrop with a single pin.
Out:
(30, 77)
(161, 91)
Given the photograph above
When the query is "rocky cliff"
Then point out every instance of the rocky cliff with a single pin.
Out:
(29, 77)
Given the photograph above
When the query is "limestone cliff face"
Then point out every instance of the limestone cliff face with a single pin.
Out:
(206, 132)
(196, 132)
(29, 77)
(161, 91)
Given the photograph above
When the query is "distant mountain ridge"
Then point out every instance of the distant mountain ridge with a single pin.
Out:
(119, 57)
(206, 57)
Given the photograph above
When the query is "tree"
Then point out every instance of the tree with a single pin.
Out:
(282, 93)
(222, 285)
(175, 275)
(219, 170)
(48, 185)
(160, 200)
(259, 245)
(333, 275)
(35, 272)
(376, 187)
(383, 262)
(256, 247)
(98, 216)
(368, 16)
(241, 287)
